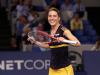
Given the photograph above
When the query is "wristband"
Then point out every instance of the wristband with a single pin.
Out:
(70, 42)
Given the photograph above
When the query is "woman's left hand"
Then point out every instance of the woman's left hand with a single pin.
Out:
(60, 39)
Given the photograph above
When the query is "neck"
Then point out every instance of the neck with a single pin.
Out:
(55, 26)
(54, 29)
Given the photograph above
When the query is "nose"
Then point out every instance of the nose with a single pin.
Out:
(51, 18)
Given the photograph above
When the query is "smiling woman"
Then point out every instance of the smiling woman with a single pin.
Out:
(60, 62)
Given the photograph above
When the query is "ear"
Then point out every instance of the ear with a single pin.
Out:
(59, 19)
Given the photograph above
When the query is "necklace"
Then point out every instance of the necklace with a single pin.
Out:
(53, 30)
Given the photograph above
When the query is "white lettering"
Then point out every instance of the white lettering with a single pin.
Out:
(9, 65)
(37, 64)
(26, 64)
(47, 63)
(19, 63)
(2, 65)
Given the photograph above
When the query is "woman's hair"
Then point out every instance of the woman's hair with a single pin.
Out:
(54, 9)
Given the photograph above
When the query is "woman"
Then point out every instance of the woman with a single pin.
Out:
(60, 63)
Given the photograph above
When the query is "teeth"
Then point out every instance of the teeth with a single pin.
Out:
(51, 21)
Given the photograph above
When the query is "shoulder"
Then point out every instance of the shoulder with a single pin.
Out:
(64, 28)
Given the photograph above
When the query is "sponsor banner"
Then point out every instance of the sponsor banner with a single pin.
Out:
(91, 61)
(24, 63)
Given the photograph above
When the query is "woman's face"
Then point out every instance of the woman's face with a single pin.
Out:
(53, 18)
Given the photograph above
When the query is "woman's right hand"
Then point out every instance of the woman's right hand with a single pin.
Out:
(31, 39)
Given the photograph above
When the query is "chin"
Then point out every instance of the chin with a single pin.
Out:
(52, 24)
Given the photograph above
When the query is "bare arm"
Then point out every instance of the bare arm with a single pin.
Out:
(40, 44)
(71, 37)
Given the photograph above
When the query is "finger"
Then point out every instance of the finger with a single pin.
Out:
(28, 39)
(31, 40)
(58, 40)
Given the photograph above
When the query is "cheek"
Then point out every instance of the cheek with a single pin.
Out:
(48, 18)
(57, 18)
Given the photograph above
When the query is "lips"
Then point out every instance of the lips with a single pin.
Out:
(51, 21)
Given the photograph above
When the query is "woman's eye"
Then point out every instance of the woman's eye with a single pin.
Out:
(54, 16)
(49, 16)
